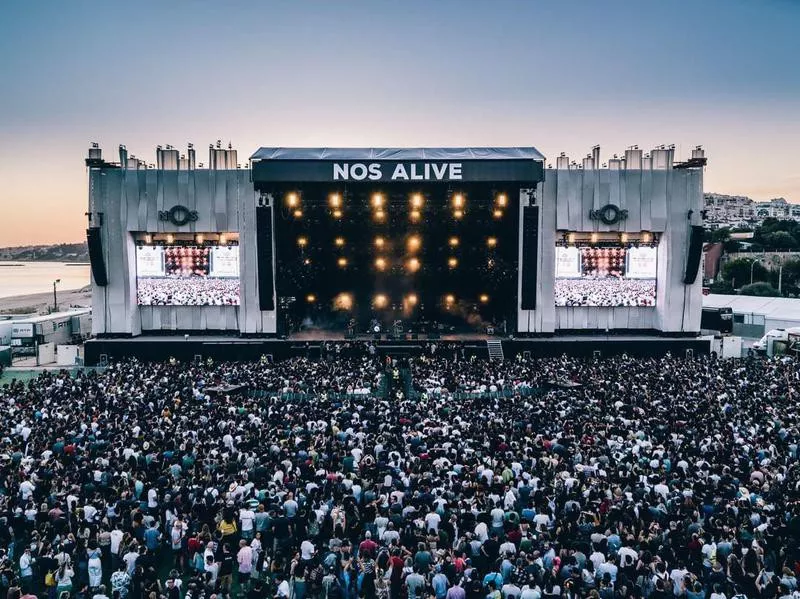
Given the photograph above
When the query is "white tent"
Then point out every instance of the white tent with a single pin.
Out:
(772, 312)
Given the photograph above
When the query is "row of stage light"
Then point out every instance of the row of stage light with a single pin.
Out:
(381, 301)
(457, 203)
(641, 238)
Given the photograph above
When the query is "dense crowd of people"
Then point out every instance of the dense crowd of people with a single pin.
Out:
(187, 291)
(605, 291)
(622, 477)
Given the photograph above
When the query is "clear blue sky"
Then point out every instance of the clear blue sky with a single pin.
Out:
(561, 76)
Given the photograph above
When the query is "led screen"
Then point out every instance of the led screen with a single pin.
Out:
(187, 275)
(605, 276)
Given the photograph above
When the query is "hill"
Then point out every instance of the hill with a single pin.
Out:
(62, 252)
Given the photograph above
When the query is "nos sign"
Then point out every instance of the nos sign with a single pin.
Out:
(401, 171)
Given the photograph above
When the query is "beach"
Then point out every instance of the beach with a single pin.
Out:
(42, 303)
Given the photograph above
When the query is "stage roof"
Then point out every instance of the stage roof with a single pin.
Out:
(379, 154)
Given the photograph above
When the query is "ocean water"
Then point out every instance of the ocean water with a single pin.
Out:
(38, 277)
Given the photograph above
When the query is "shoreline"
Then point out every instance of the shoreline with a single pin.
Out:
(40, 303)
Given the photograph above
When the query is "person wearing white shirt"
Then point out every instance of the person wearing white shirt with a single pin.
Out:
(307, 550)
(247, 518)
(432, 520)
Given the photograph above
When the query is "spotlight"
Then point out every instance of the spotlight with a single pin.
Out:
(458, 214)
(415, 215)
(339, 241)
(379, 241)
(335, 200)
(491, 242)
(413, 243)
(302, 241)
(411, 299)
(594, 237)
(298, 213)
(416, 200)
(170, 238)
(502, 200)
(380, 301)
(646, 237)
(307, 261)
(571, 237)
(342, 262)
(412, 265)
(484, 299)
(199, 238)
(343, 301)
(380, 263)
(311, 298)
(497, 214)
(453, 241)
(458, 200)
(337, 214)
(377, 200)
(452, 262)
(449, 299)
(380, 215)
(292, 199)
(623, 238)
(148, 238)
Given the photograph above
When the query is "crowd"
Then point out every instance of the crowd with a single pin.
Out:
(605, 291)
(187, 291)
(622, 477)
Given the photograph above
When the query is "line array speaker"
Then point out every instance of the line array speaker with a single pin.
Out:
(695, 253)
(530, 255)
(95, 243)
(266, 282)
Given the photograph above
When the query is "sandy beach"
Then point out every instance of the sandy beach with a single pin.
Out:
(42, 303)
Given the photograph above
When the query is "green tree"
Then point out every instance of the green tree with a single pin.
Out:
(723, 234)
(780, 240)
(760, 290)
(737, 272)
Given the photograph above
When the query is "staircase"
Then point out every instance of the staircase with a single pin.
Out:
(495, 347)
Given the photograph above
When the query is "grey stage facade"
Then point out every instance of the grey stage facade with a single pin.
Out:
(636, 199)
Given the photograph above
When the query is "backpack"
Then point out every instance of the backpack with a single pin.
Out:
(50, 579)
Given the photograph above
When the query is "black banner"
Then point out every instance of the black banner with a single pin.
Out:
(392, 171)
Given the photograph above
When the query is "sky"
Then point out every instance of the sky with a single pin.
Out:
(560, 76)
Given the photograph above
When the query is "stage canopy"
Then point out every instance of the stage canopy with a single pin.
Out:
(396, 165)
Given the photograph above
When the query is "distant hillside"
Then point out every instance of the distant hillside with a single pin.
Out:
(63, 252)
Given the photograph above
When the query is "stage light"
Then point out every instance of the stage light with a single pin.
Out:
(335, 200)
(380, 215)
(337, 214)
(411, 299)
(298, 214)
(484, 299)
(307, 261)
(342, 262)
(377, 200)
(223, 239)
(343, 301)
(623, 238)
(413, 265)
(415, 215)
(170, 238)
(416, 200)
(458, 214)
(380, 263)
(148, 238)
(502, 200)
(491, 242)
(594, 237)
(450, 299)
(646, 237)
(292, 199)
(413, 243)
(199, 238)
(497, 214)
(302, 241)
(311, 298)
(452, 262)
(339, 241)
(571, 237)
(458, 201)
(379, 241)
(380, 301)
(453, 241)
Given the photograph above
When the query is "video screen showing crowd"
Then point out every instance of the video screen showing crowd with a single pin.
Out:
(517, 479)
(606, 276)
(187, 275)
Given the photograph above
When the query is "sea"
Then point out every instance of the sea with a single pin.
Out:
(24, 278)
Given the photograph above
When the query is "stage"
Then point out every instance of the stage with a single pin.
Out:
(235, 348)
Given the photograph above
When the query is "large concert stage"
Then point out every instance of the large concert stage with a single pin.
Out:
(313, 244)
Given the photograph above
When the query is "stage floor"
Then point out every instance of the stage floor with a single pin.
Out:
(234, 348)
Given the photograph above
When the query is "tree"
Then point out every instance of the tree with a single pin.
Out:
(723, 234)
(760, 290)
(780, 240)
(737, 272)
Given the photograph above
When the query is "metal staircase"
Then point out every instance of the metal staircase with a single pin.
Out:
(495, 347)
